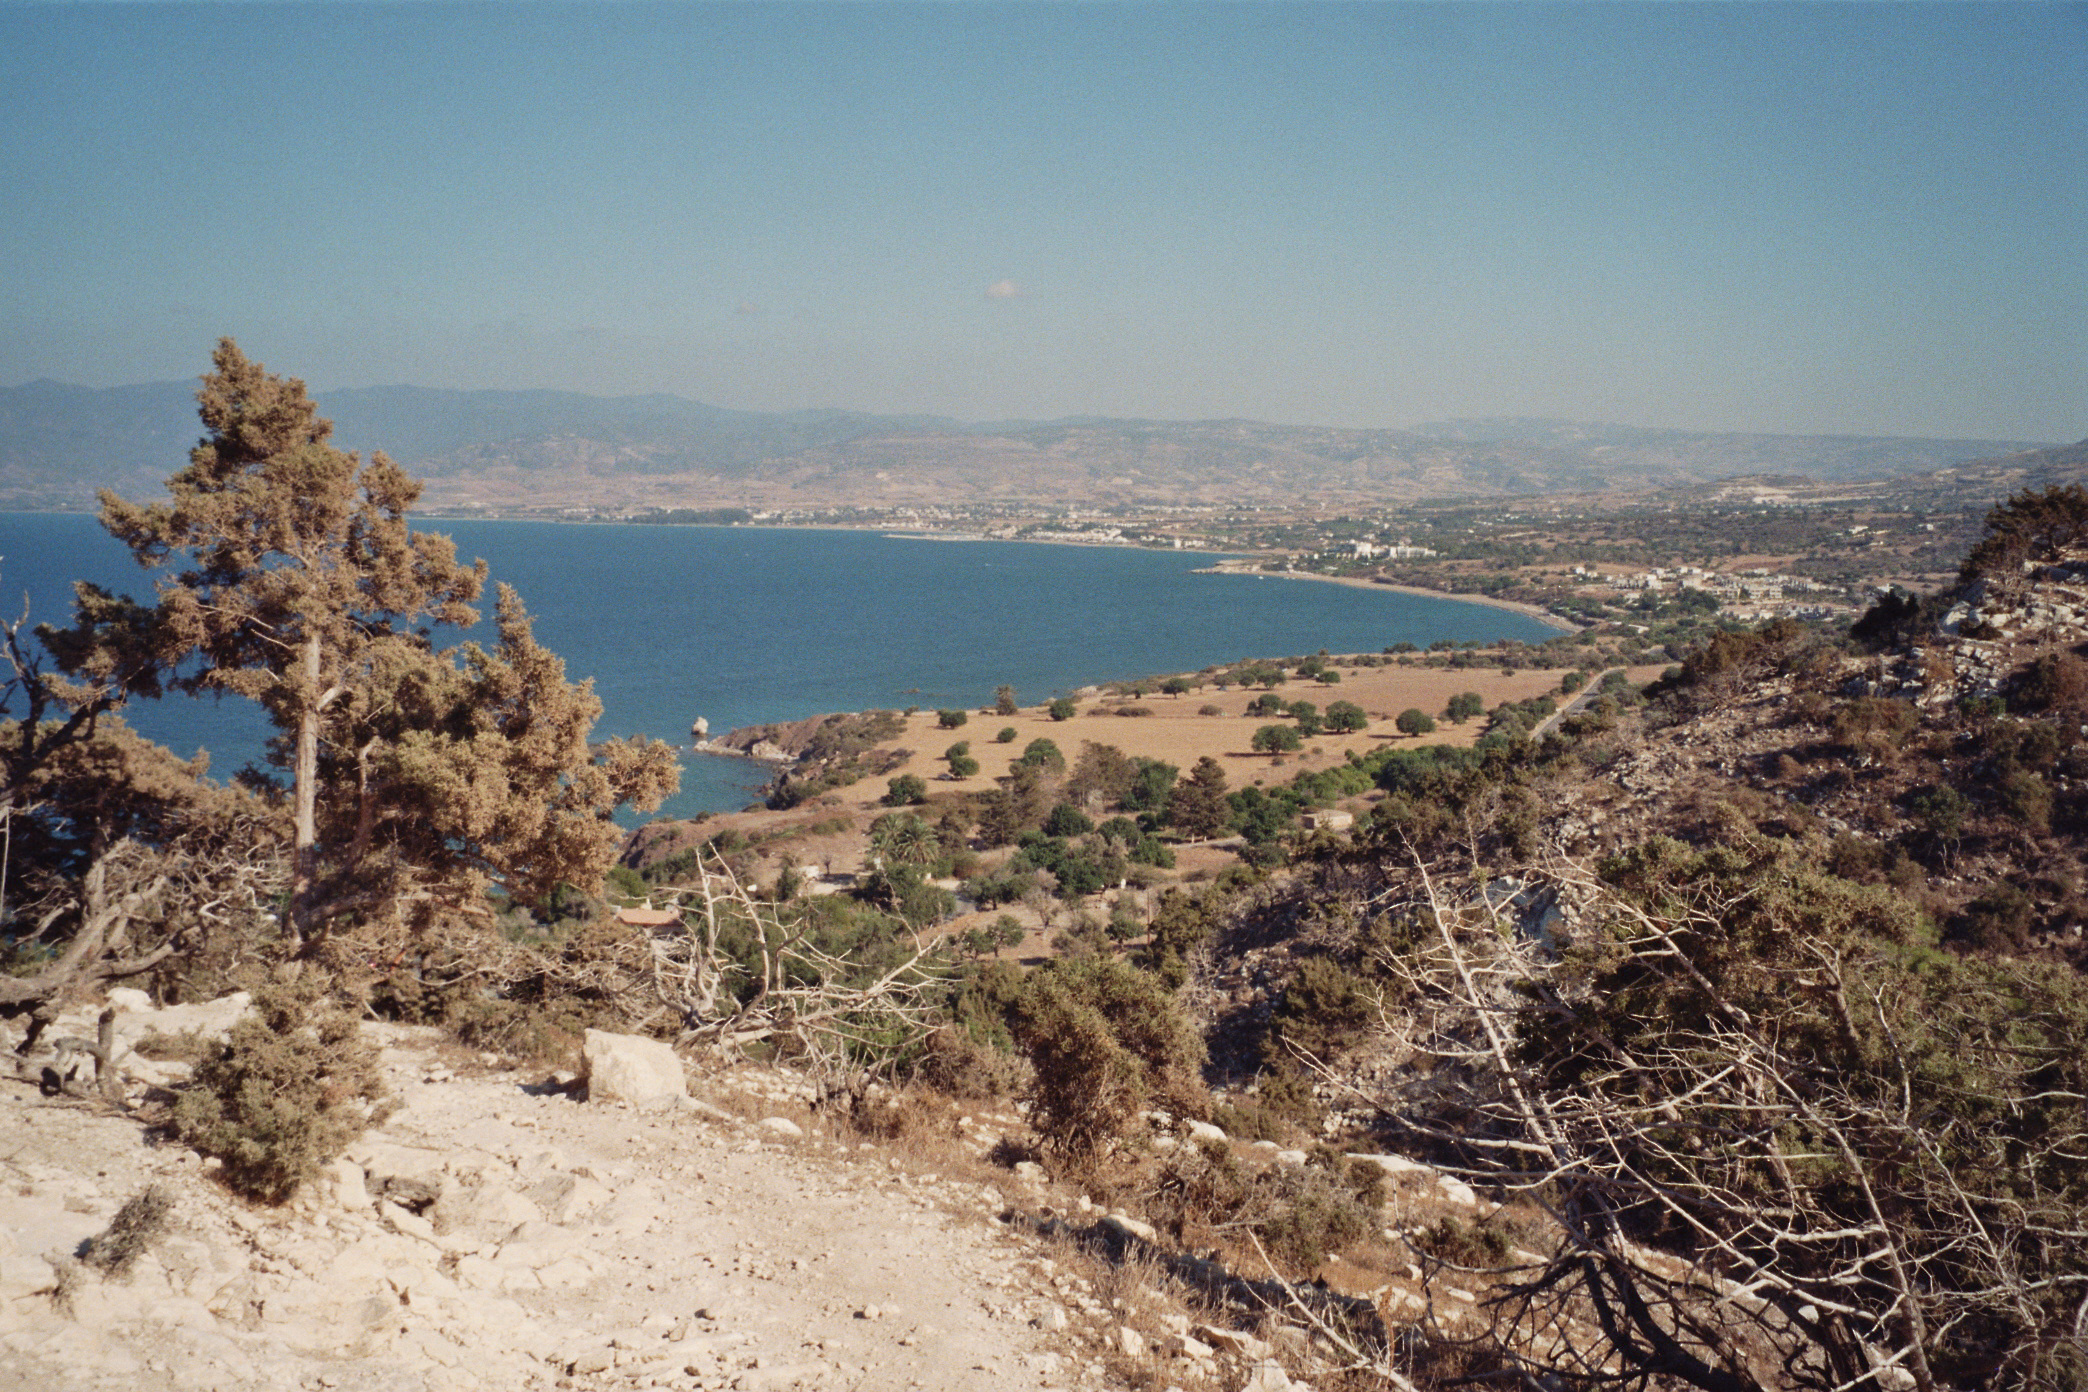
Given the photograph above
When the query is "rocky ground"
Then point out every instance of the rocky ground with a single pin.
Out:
(497, 1233)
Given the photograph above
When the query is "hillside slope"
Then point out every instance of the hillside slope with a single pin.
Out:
(491, 448)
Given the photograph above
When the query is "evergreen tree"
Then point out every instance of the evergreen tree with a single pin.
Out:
(414, 776)
(1200, 809)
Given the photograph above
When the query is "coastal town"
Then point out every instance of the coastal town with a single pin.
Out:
(1659, 565)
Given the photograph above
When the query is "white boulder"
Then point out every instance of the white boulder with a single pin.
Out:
(631, 1068)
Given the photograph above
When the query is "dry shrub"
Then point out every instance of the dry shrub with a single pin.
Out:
(956, 1064)
(1298, 1215)
(139, 1224)
(291, 1086)
(1877, 726)
(898, 1117)
(2055, 682)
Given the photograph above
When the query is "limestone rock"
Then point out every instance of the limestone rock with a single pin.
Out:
(1267, 1376)
(405, 1221)
(487, 1211)
(137, 1017)
(1131, 1341)
(631, 1068)
(1457, 1191)
(343, 1181)
(1203, 1131)
(1233, 1341)
(1125, 1226)
(564, 1197)
(1395, 1164)
(1184, 1346)
(782, 1126)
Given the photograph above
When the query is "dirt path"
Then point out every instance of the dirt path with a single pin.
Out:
(538, 1242)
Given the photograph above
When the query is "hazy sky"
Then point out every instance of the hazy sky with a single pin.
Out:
(1853, 219)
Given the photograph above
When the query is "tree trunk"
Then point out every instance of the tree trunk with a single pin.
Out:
(304, 851)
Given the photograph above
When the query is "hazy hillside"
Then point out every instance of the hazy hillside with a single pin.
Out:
(58, 443)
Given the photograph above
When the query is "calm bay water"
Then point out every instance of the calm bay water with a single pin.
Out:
(741, 625)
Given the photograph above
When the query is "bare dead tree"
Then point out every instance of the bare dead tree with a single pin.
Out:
(780, 988)
(1782, 1193)
(137, 909)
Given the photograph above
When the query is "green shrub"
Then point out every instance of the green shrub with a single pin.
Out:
(1458, 1243)
(1106, 1041)
(1043, 754)
(292, 1085)
(1006, 735)
(907, 790)
(1325, 1009)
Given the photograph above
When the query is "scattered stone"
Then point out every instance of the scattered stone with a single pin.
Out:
(1267, 1376)
(405, 1221)
(1131, 1341)
(1457, 1191)
(1233, 1341)
(1126, 1226)
(782, 1126)
(1184, 1346)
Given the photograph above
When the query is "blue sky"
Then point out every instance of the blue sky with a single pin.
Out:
(1842, 219)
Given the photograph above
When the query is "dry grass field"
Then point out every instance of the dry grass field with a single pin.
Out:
(1176, 733)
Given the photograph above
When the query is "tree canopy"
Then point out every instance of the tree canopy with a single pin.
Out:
(415, 777)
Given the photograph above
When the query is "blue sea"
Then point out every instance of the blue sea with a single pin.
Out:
(741, 625)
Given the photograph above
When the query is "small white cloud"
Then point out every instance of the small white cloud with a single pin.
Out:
(1003, 290)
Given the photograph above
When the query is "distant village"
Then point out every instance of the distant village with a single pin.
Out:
(1730, 555)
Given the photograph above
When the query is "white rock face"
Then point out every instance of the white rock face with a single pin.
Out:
(631, 1068)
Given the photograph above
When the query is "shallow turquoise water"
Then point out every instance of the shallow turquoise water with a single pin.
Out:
(741, 624)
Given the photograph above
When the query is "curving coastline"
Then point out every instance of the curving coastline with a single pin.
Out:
(1535, 611)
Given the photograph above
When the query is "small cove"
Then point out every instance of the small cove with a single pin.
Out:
(742, 624)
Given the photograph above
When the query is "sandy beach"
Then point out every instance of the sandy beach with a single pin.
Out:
(1535, 611)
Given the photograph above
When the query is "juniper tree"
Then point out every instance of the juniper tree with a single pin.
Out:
(414, 776)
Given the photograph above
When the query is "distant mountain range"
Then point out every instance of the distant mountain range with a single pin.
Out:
(536, 449)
